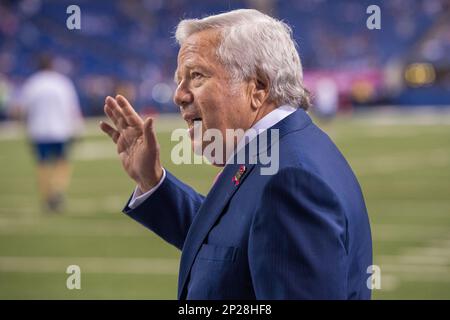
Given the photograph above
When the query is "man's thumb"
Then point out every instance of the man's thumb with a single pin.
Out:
(149, 132)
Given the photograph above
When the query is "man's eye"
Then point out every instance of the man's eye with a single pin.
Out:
(196, 75)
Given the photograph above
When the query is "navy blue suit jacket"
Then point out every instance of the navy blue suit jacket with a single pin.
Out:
(302, 233)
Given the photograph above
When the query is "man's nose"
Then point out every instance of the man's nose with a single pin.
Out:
(182, 97)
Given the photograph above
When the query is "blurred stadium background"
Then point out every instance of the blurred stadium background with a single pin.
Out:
(392, 93)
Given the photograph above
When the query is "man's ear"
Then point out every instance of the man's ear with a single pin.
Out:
(259, 91)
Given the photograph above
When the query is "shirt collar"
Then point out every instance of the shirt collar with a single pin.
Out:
(273, 117)
(263, 124)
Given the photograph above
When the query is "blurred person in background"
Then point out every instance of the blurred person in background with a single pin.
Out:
(4, 97)
(327, 99)
(49, 104)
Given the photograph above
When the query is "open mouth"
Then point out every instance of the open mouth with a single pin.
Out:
(193, 122)
(194, 125)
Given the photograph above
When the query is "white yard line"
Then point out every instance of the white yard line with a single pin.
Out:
(155, 266)
(430, 263)
(94, 150)
(44, 226)
(167, 122)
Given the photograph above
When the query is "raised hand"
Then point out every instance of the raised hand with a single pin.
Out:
(136, 141)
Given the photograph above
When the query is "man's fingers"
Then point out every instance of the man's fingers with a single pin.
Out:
(113, 116)
(109, 113)
(110, 131)
(114, 112)
(130, 114)
(149, 133)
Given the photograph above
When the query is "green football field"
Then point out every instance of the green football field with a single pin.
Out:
(402, 163)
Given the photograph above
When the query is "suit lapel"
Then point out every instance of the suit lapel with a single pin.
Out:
(209, 212)
(219, 196)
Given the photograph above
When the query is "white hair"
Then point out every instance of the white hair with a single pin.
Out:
(252, 45)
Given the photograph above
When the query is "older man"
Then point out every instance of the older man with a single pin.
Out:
(299, 233)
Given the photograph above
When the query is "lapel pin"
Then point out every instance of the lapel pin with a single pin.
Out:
(237, 177)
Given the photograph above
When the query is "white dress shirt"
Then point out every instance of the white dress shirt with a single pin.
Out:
(263, 124)
(51, 105)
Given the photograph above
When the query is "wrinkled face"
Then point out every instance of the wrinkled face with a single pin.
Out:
(205, 92)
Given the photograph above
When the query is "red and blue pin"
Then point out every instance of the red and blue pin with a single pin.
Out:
(237, 177)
